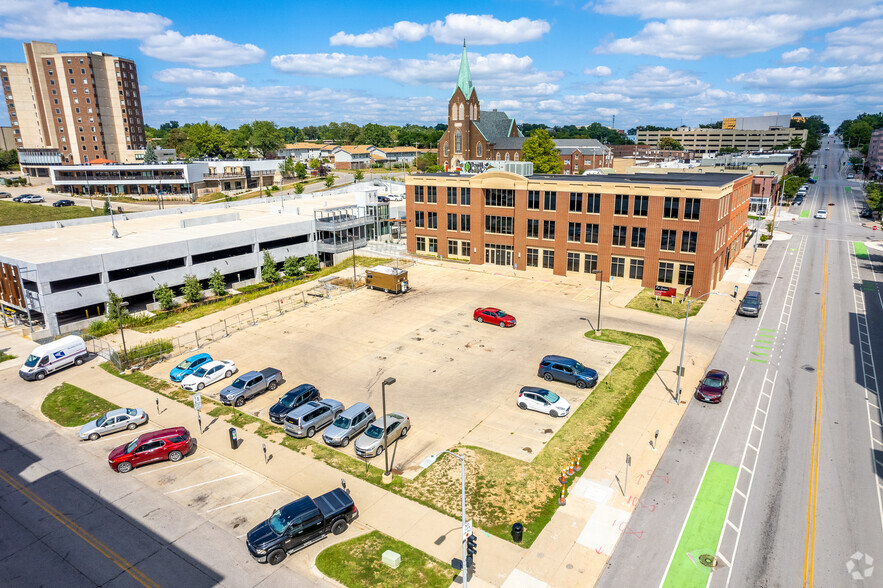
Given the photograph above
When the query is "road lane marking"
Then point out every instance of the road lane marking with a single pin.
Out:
(203, 483)
(241, 501)
(103, 549)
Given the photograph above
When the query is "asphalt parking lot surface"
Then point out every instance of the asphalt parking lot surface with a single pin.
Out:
(456, 379)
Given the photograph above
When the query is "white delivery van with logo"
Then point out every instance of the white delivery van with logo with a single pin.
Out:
(53, 356)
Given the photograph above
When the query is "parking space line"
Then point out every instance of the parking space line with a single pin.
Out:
(244, 500)
(204, 483)
(129, 435)
(174, 465)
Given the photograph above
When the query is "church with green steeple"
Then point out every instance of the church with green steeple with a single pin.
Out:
(473, 134)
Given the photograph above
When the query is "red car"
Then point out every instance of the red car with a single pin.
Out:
(167, 444)
(494, 316)
(711, 388)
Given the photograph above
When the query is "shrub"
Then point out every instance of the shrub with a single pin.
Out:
(217, 283)
(192, 289)
(298, 188)
(329, 180)
(291, 267)
(311, 263)
(164, 295)
(149, 351)
(269, 273)
(113, 306)
(100, 327)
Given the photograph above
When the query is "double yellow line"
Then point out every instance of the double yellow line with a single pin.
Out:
(809, 549)
(103, 549)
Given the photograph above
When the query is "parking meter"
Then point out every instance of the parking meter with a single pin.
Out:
(234, 443)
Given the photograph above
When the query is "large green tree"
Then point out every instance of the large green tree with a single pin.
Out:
(265, 137)
(540, 150)
(670, 143)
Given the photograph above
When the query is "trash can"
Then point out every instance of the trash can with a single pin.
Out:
(517, 532)
(234, 444)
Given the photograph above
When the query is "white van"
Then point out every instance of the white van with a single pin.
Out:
(53, 356)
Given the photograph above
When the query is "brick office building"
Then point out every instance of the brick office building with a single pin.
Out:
(682, 229)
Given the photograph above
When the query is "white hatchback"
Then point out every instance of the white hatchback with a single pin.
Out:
(542, 400)
(208, 374)
(822, 214)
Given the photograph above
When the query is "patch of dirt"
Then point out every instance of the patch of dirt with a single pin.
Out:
(240, 520)
(166, 480)
(527, 449)
(199, 500)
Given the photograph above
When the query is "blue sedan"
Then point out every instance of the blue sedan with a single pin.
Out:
(188, 366)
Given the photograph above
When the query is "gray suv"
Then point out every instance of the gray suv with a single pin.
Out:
(308, 418)
(565, 369)
(349, 424)
(750, 305)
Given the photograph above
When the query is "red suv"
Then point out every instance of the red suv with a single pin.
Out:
(167, 444)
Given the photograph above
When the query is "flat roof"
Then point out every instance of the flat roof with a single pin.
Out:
(668, 179)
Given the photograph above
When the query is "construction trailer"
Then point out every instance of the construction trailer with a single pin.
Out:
(388, 279)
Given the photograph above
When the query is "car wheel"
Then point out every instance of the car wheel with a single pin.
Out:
(580, 384)
(547, 376)
(94, 437)
(522, 406)
(479, 319)
(131, 426)
(272, 386)
(404, 432)
(176, 456)
(276, 557)
(339, 526)
(124, 467)
(239, 401)
(41, 375)
(345, 442)
(228, 373)
(502, 324)
(311, 431)
(379, 451)
(79, 360)
(200, 386)
(553, 413)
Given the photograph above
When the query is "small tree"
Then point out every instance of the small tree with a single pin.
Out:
(298, 188)
(541, 151)
(149, 153)
(670, 143)
(164, 296)
(311, 264)
(315, 163)
(359, 175)
(287, 167)
(329, 181)
(217, 283)
(113, 307)
(192, 289)
(269, 273)
(300, 170)
(291, 267)
(106, 206)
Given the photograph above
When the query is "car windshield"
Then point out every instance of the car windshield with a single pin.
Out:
(279, 522)
(101, 421)
(579, 367)
(500, 313)
(288, 399)
(200, 372)
(713, 383)
(183, 365)
(131, 411)
(342, 422)
(550, 396)
(132, 445)
(374, 432)
(32, 360)
(239, 383)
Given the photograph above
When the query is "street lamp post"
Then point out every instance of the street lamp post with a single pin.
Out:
(462, 459)
(383, 385)
(120, 308)
(684, 343)
(113, 228)
(600, 274)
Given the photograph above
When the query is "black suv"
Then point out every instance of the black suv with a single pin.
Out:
(565, 369)
(866, 213)
(291, 400)
(750, 305)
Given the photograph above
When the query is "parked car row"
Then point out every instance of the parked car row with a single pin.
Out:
(28, 198)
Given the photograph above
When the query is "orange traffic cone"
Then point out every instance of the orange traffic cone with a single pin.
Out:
(570, 468)
(563, 479)
(577, 469)
(561, 501)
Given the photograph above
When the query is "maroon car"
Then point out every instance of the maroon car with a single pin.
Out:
(711, 388)
(494, 316)
(167, 444)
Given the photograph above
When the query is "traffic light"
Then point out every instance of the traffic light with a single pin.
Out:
(471, 549)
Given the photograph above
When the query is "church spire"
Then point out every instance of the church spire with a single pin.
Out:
(464, 78)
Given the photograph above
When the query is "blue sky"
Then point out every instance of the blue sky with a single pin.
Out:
(665, 62)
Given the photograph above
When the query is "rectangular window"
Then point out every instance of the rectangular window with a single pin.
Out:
(688, 242)
(452, 222)
(421, 243)
(431, 194)
(464, 248)
(685, 275)
(621, 204)
(573, 232)
(499, 197)
(433, 245)
(666, 272)
(572, 261)
(691, 208)
(619, 236)
(591, 233)
(452, 247)
(549, 230)
(550, 200)
(639, 237)
(576, 202)
(418, 193)
(431, 220)
(533, 228)
(548, 259)
(670, 210)
(533, 200)
(593, 203)
(501, 225)
(590, 263)
(636, 269)
(465, 196)
(617, 267)
(640, 206)
(667, 243)
(419, 219)
(465, 223)
(452, 195)
(533, 257)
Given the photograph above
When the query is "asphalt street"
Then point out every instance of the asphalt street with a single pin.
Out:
(798, 433)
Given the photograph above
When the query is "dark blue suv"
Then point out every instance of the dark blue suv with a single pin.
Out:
(291, 400)
(564, 369)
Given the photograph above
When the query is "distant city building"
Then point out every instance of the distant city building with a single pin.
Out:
(650, 153)
(7, 138)
(713, 140)
(85, 105)
(769, 120)
(875, 153)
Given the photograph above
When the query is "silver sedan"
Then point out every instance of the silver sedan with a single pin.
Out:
(113, 421)
(370, 443)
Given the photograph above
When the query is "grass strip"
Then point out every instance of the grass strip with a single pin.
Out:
(646, 301)
(155, 385)
(70, 406)
(5, 356)
(357, 563)
(18, 213)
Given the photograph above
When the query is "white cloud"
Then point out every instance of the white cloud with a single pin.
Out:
(668, 9)
(200, 50)
(53, 20)
(650, 81)
(197, 77)
(386, 37)
(797, 55)
(812, 78)
(330, 64)
(862, 43)
(484, 29)
(602, 71)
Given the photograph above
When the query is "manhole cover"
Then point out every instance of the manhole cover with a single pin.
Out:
(706, 560)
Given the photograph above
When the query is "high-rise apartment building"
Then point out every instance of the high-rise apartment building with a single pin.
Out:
(86, 105)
